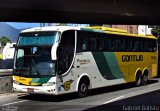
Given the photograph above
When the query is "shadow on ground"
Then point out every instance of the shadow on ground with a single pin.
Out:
(144, 102)
(65, 97)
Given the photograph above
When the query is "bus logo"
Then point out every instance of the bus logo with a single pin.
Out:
(83, 61)
(131, 58)
(67, 85)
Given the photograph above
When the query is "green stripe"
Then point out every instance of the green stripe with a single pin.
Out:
(40, 80)
(103, 65)
(35, 80)
(113, 64)
(92, 30)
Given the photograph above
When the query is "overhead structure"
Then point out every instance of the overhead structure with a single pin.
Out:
(81, 11)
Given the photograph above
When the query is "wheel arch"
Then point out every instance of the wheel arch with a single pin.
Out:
(83, 76)
(145, 71)
(137, 72)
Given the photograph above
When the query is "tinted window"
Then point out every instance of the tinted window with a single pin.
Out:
(92, 41)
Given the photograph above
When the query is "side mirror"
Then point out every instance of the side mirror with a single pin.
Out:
(54, 52)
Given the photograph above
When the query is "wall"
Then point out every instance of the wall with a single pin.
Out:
(133, 29)
(144, 30)
(6, 84)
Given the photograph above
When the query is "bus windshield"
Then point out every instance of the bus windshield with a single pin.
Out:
(33, 55)
(38, 38)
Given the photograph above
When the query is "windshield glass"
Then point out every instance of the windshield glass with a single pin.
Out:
(33, 55)
(38, 38)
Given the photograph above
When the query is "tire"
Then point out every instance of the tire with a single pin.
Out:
(83, 88)
(144, 79)
(138, 80)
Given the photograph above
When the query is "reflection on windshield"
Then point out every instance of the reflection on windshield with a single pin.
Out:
(34, 61)
(41, 38)
(33, 54)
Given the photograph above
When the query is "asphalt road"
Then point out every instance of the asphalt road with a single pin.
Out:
(122, 97)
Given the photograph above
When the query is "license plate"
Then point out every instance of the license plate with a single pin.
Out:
(30, 90)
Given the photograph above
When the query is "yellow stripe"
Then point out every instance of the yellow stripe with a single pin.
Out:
(118, 32)
(23, 80)
(0, 56)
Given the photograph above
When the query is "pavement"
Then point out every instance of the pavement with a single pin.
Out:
(113, 98)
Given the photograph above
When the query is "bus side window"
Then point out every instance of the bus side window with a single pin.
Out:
(145, 46)
(142, 48)
(106, 44)
(110, 44)
(93, 44)
(118, 45)
(82, 41)
(153, 45)
(136, 46)
(124, 45)
(100, 44)
(130, 45)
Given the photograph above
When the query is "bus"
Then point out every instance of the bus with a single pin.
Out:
(62, 59)
(7, 57)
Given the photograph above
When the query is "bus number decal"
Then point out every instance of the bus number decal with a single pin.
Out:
(67, 85)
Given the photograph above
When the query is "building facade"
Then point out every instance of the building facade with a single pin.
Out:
(145, 29)
(133, 29)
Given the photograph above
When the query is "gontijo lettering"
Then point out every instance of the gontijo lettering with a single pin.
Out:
(131, 58)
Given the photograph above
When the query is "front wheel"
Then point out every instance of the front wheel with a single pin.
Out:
(83, 89)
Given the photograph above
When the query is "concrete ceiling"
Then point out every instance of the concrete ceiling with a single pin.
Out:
(81, 11)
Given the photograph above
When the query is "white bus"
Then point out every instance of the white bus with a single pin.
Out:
(61, 59)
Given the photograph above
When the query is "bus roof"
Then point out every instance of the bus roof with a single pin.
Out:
(115, 31)
(100, 29)
(50, 28)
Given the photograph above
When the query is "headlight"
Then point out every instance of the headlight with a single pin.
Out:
(15, 82)
(49, 84)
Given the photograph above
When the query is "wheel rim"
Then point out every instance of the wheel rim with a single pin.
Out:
(145, 78)
(139, 81)
(83, 88)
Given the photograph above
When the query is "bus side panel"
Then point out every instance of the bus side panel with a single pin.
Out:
(67, 83)
(130, 62)
(154, 63)
(95, 64)
(107, 68)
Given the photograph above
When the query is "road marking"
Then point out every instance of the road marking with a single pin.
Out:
(153, 85)
(113, 100)
(14, 103)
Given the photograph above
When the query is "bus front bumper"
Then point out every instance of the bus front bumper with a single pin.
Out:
(50, 90)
